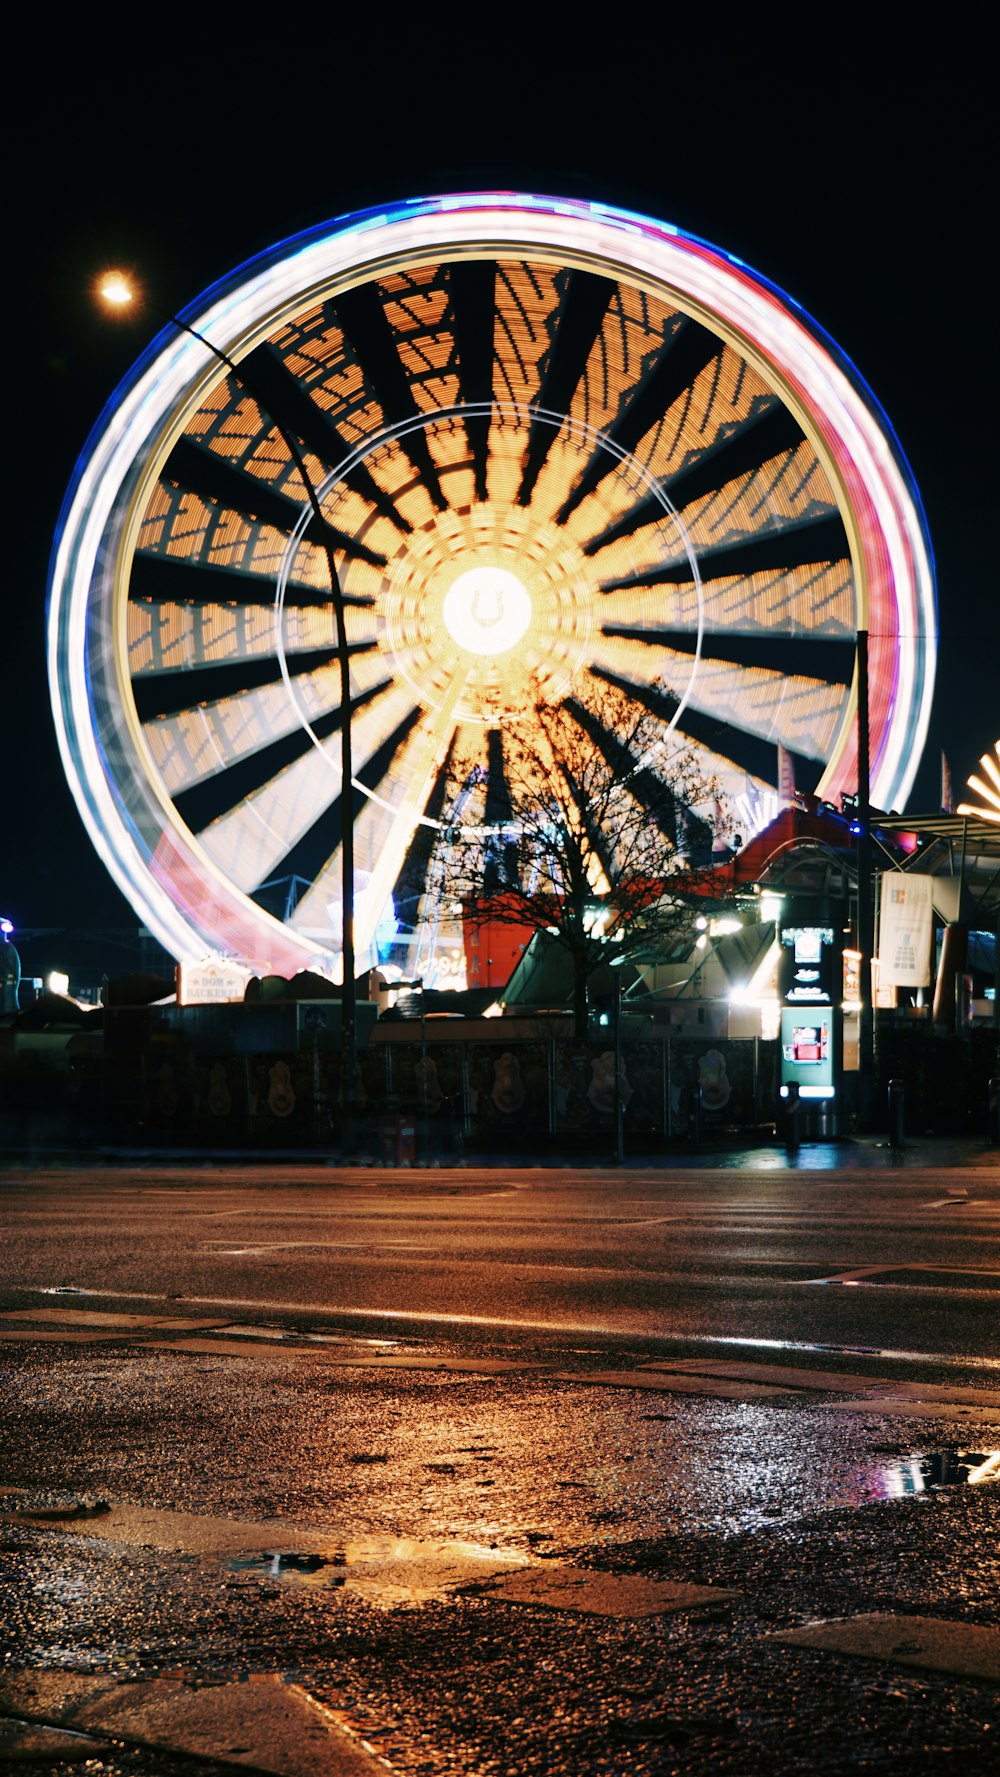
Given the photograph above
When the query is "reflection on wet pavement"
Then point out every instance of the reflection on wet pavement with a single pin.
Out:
(384, 1570)
(300, 1569)
(939, 1468)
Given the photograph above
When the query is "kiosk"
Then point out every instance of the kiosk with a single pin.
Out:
(810, 982)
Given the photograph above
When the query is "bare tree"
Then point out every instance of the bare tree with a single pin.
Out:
(568, 820)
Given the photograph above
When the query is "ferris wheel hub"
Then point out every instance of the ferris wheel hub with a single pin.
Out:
(486, 610)
(583, 450)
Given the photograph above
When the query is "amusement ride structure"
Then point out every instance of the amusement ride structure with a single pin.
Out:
(515, 446)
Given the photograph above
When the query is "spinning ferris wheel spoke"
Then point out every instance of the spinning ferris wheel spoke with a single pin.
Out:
(552, 446)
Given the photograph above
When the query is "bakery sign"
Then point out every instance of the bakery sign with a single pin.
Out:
(211, 983)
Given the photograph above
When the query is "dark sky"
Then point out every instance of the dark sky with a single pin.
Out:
(855, 175)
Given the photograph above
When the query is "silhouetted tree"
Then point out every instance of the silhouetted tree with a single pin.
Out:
(568, 820)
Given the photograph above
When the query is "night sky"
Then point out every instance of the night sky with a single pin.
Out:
(855, 176)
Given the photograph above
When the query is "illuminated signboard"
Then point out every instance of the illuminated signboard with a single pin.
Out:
(811, 987)
(807, 970)
(808, 1051)
(214, 982)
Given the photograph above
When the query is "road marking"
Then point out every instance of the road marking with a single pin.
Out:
(714, 1378)
(215, 1250)
(32, 1743)
(897, 1406)
(275, 1335)
(87, 1317)
(261, 1349)
(643, 1222)
(937, 1391)
(784, 1375)
(587, 1593)
(82, 1326)
(834, 1382)
(943, 1358)
(986, 1278)
(339, 1358)
(188, 1533)
(38, 1335)
(964, 1649)
(673, 1382)
(264, 1722)
(334, 1311)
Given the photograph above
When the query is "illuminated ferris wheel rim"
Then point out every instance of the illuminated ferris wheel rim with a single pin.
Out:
(878, 502)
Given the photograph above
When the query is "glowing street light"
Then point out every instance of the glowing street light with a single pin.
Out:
(115, 290)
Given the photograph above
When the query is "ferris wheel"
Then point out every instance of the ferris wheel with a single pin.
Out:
(549, 444)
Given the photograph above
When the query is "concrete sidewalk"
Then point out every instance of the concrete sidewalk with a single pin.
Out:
(850, 1153)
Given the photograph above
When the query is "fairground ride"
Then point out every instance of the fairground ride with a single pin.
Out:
(554, 444)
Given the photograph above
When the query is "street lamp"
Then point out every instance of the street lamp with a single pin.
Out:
(117, 291)
(866, 921)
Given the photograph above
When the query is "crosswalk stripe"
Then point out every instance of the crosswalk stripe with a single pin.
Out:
(967, 1650)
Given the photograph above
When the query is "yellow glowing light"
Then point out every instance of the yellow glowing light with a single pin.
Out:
(486, 610)
(115, 290)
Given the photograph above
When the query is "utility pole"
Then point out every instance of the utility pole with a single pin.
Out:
(619, 1105)
(866, 931)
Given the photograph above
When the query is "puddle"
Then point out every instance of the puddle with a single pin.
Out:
(938, 1468)
(384, 1570)
(75, 1659)
(303, 1570)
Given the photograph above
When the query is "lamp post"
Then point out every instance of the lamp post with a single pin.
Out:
(619, 1106)
(866, 1019)
(117, 294)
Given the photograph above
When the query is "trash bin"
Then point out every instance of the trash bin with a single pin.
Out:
(897, 1113)
(826, 1122)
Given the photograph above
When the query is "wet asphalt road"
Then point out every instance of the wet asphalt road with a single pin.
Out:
(390, 1365)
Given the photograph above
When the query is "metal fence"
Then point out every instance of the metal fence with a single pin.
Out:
(446, 1096)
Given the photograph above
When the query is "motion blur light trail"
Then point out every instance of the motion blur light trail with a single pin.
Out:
(696, 494)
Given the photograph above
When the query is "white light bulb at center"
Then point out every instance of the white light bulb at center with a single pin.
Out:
(486, 610)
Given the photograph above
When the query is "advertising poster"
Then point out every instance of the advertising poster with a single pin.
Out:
(905, 929)
(509, 1088)
(807, 1050)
